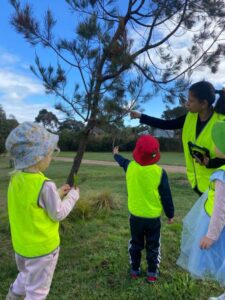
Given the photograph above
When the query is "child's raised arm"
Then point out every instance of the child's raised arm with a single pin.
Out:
(123, 162)
(116, 150)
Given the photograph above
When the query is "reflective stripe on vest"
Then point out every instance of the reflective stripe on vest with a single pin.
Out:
(209, 204)
(33, 232)
(142, 186)
(197, 174)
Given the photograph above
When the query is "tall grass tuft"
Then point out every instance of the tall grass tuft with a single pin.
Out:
(82, 209)
(93, 203)
(104, 201)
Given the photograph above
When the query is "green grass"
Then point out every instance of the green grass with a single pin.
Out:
(167, 158)
(93, 262)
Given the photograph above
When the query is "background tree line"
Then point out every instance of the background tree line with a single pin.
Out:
(6, 125)
(109, 135)
(101, 139)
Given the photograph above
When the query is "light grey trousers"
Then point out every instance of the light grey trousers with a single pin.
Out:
(35, 277)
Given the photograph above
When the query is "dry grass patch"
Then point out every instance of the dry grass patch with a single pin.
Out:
(94, 203)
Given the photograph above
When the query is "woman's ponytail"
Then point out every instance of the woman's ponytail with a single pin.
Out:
(220, 104)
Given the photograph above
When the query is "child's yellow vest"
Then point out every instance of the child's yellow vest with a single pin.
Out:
(142, 187)
(33, 232)
(198, 175)
(209, 204)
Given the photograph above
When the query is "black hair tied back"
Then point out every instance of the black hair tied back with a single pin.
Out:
(220, 104)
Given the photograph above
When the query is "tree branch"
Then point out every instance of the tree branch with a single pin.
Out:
(147, 47)
(106, 12)
(188, 68)
(139, 7)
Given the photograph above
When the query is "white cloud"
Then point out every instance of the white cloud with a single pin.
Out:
(20, 94)
(17, 85)
(7, 59)
(16, 97)
(25, 112)
(217, 79)
(16, 92)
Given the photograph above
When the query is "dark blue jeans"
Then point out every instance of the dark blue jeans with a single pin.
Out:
(145, 232)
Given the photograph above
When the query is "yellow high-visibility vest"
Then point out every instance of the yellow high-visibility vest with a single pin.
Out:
(197, 174)
(33, 232)
(209, 204)
(142, 187)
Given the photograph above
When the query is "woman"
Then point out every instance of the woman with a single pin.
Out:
(199, 152)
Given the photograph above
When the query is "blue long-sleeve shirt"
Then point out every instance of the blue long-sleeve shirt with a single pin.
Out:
(164, 188)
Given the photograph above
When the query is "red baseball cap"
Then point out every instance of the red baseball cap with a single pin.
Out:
(146, 151)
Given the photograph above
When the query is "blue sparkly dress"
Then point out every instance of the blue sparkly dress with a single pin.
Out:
(206, 263)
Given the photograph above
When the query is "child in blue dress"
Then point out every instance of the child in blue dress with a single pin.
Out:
(203, 237)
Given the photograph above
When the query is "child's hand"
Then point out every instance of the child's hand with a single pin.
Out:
(170, 221)
(64, 190)
(206, 242)
(135, 114)
(74, 194)
(116, 150)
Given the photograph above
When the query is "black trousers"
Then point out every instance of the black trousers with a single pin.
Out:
(145, 232)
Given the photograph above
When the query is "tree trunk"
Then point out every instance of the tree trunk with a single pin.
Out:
(84, 138)
(11, 163)
(78, 158)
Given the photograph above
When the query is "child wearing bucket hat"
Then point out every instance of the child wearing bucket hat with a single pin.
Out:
(35, 209)
(148, 194)
(203, 237)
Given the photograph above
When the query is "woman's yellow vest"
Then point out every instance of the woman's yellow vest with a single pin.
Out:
(33, 232)
(197, 174)
(142, 187)
(209, 204)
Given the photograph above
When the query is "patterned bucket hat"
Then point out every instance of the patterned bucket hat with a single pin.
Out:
(29, 143)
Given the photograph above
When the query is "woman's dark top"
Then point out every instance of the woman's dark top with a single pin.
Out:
(178, 123)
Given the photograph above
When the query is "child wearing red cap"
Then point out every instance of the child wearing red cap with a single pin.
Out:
(148, 194)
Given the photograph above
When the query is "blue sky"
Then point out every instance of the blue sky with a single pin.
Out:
(21, 93)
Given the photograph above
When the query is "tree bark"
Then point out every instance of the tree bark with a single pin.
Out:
(78, 158)
(11, 163)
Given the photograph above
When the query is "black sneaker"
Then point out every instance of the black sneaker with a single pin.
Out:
(135, 274)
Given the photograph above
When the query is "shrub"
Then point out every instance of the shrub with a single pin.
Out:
(104, 201)
(93, 203)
